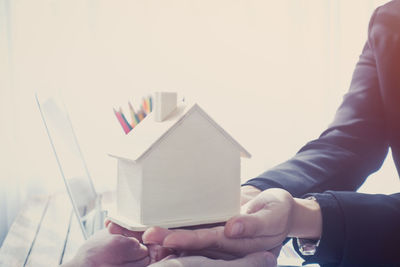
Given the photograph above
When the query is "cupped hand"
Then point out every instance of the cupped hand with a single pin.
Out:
(268, 215)
(105, 249)
(156, 252)
(263, 225)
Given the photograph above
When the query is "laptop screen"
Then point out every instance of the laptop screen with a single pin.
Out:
(69, 158)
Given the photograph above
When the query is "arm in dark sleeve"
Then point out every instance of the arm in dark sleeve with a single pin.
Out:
(358, 230)
(361, 229)
(354, 145)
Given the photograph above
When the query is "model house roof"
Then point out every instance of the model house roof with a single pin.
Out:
(148, 133)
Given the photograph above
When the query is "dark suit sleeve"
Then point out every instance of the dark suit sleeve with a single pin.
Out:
(358, 229)
(354, 145)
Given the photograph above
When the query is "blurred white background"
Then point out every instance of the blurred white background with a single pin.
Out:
(272, 73)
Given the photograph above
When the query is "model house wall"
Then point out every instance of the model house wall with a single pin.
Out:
(197, 177)
(129, 189)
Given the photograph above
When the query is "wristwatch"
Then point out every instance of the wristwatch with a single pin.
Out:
(308, 247)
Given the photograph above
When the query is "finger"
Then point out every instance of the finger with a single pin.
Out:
(114, 228)
(267, 199)
(255, 205)
(211, 254)
(125, 249)
(247, 193)
(157, 252)
(195, 239)
(155, 235)
(215, 239)
(261, 223)
(260, 217)
(244, 200)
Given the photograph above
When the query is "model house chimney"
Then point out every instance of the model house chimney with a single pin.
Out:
(164, 104)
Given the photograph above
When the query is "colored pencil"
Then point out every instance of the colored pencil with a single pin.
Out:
(124, 118)
(135, 119)
(140, 115)
(144, 106)
(124, 126)
(148, 104)
(151, 103)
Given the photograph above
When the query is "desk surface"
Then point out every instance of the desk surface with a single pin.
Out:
(46, 233)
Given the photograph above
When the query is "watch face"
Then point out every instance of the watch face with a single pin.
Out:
(307, 247)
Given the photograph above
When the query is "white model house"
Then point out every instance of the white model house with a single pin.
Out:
(178, 167)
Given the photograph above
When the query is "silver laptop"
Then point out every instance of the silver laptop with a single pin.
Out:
(85, 201)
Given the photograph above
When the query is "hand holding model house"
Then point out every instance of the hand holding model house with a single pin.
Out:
(173, 167)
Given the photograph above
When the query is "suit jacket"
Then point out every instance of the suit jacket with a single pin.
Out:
(358, 229)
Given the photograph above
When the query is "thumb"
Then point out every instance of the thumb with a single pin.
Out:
(260, 223)
(264, 215)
